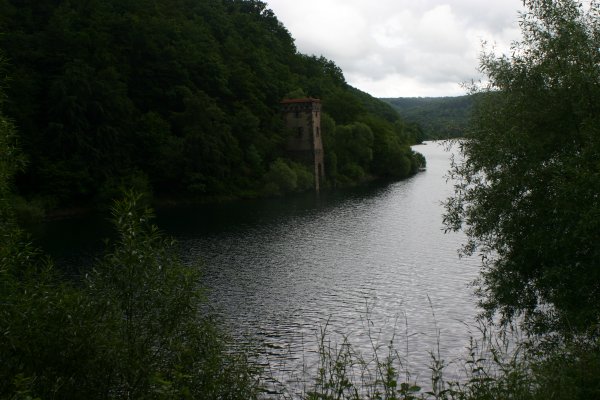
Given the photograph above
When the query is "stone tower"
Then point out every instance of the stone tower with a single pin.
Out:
(302, 118)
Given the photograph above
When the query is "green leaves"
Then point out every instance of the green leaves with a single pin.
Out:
(132, 328)
(528, 183)
(179, 92)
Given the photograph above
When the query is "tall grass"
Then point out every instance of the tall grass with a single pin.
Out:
(497, 363)
(342, 371)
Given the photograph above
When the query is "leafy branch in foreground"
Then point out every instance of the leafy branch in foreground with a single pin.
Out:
(527, 187)
(133, 328)
(158, 339)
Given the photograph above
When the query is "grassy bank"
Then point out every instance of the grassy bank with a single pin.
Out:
(498, 363)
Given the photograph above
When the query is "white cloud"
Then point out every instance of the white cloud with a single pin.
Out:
(323, 28)
(393, 48)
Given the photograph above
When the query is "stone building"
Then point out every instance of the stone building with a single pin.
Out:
(302, 118)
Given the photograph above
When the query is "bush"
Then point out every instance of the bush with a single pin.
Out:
(28, 212)
(280, 179)
(114, 186)
(304, 177)
(157, 339)
(353, 171)
(418, 162)
(133, 328)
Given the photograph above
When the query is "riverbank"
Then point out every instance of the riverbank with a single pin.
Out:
(296, 274)
(38, 211)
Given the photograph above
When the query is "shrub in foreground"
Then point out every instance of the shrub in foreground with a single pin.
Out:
(132, 328)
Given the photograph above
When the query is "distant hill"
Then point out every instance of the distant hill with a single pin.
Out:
(439, 117)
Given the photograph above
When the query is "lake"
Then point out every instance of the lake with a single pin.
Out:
(369, 264)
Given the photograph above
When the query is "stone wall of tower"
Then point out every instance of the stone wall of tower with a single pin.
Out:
(302, 118)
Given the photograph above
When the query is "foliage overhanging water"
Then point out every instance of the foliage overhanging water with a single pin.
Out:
(279, 270)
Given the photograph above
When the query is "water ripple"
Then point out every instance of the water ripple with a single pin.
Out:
(380, 255)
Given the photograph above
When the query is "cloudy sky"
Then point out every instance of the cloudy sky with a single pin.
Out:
(401, 48)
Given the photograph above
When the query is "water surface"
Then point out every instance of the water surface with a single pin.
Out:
(367, 263)
(281, 270)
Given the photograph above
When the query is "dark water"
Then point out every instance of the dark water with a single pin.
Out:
(373, 259)
(281, 270)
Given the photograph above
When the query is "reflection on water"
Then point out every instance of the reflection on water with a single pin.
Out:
(280, 270)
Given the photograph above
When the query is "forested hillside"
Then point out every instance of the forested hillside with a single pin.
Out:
(439, 117)
(180, 97)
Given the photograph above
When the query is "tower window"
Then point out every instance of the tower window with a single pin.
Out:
(300, 132)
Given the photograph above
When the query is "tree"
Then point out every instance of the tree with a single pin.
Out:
(104, 89)
(280, 179)
(527, 189)
(354, 144)
(133, 327)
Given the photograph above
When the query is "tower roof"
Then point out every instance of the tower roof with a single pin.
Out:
(301, 100)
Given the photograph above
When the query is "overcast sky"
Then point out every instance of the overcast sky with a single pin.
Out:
(401, 48)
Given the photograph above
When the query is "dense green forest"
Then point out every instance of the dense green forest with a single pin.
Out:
(438, 117)
(181, 98)
(136, 326)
